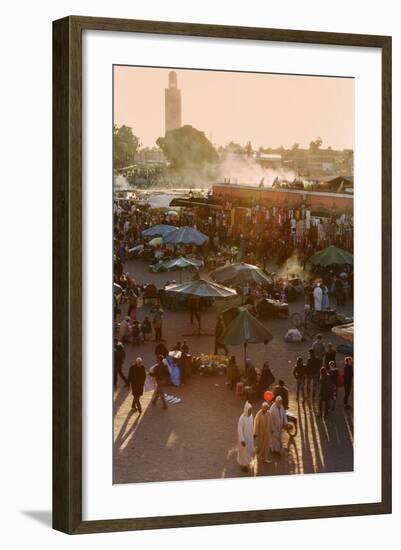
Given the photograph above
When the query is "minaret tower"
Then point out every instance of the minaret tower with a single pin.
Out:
(172, 103)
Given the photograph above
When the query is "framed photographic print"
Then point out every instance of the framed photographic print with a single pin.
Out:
(222, 275)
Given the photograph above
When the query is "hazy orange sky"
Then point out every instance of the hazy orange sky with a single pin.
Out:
(267, 109)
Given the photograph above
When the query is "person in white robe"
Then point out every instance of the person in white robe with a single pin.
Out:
(245, 438)
(318, 296)
(279, 420)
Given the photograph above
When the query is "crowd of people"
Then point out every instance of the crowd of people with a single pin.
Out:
(317, 377)
(260, 436)
(255, 242)
(171, 367)
(260, 235)
(320, 377)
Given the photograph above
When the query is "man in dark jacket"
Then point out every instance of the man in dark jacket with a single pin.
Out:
(333, 373)
(348, 380)
(312, 374)
(136, 378)
(161, 349)
(218, 336)
(319, 350)
(299, 373)
(325, 392)
(119, 358)
(330, 355)
(158, 322)
(194, 307)
(161, 375)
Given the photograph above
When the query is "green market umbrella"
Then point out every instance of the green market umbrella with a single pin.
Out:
(245, 329)
(232, 312)
(175, 264)
(330, 256)
(240, 274)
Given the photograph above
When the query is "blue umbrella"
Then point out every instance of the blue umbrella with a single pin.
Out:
(158, 230)
(185, 235)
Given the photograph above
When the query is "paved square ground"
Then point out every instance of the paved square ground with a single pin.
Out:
(196, 439)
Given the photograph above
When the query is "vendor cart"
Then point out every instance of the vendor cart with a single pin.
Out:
(313, 320)
(266, 307)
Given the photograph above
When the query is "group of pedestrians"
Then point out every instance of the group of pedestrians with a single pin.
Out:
(137, 377)
(159, 372)
(260, 437)
(320, 378)
(132, 330)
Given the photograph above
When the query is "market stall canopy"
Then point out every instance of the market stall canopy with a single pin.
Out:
(202, 289)
(240, 274)
(244, 329)
(330, 256)
(186, 235)
(197, 202)
(345, 331)
(177, 263)
(159, 230)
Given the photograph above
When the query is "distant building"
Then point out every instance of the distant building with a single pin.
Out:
(316, 201)
(172, 103)
(320, 162)
(269, 160)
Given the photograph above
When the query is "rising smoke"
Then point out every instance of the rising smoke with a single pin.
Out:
(240, 170)
(247, 171)
(292, 267)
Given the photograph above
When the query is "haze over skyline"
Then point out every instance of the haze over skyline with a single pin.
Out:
(269, 110)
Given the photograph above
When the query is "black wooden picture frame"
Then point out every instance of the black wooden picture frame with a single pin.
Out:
(67, 273)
